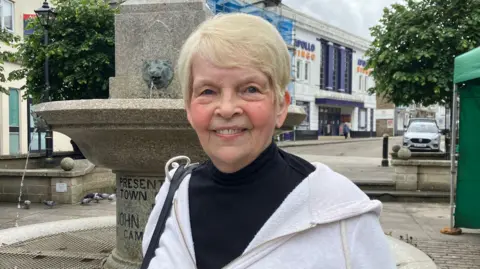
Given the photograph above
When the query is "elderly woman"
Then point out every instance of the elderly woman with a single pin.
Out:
(253, 205)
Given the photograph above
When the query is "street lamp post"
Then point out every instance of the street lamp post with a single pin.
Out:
(46, 16)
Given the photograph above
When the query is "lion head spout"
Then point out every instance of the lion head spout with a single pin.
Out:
(157, 73)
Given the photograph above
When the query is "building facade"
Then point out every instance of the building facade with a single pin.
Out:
(16, 124)
(388, 120)
(393, 120)
(331, 81)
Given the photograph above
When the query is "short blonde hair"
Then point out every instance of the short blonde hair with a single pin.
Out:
(237, 40)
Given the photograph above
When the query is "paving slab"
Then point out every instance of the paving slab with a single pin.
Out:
(39, 213)
(423, 222)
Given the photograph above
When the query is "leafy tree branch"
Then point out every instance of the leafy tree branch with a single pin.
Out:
(415, 45)
(81, 52)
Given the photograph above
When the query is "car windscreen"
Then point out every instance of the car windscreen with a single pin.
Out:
(422, 127)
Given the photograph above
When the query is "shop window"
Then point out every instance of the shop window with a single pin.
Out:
(14, 120)
(307, 71)
(6, 10)
(323, 65)
(299, 69)
(360, 78)
(362, 118)
(292, 64)
(336, 68)
(36, 140)
(348, 71)
(13, 107)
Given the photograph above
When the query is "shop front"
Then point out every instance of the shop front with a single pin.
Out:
(329, 119)
(332, 114)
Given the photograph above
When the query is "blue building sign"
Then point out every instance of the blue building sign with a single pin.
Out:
(304, 45)
(362, 63)
(283, 25)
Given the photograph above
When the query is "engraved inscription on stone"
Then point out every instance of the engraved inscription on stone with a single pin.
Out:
(131, 224)
(133, 188)
(132, 192)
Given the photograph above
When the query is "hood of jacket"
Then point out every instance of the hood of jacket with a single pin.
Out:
(323, 197)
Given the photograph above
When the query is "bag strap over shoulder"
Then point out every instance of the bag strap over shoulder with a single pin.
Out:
(175, 182)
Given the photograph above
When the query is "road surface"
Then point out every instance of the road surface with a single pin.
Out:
(358, 161)
(371, 149)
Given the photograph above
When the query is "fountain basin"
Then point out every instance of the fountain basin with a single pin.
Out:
(134, 135)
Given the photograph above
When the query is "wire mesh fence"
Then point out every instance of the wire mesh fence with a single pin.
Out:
(82, 249)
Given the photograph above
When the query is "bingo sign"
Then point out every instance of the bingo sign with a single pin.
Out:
(305, 50)
(26, 19)
(361, 64)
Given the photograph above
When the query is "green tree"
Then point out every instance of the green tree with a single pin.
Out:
(7, 39)
(81, 52)
(414, 47)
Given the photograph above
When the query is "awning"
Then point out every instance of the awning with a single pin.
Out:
(467, 66)
(329, 101)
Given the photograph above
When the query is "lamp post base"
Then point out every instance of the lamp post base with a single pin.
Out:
(49, 143)
(49, 162)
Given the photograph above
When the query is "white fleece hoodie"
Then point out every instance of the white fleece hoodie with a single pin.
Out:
(326, 222)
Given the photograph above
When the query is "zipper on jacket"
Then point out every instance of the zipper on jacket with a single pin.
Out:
(249, 253)
(181, 232)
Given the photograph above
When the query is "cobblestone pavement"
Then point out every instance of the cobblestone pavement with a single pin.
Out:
(450, 254)
(423, 222)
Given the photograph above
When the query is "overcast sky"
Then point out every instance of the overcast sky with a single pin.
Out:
(354, 16)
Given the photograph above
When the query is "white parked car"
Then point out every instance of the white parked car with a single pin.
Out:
(422, 136)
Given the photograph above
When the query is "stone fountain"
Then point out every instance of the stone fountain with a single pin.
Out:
(144, 123)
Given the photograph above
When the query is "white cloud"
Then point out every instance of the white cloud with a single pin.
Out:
(354, 16)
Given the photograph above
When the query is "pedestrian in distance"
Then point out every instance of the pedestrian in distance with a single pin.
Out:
(346, 130)
(253, 205)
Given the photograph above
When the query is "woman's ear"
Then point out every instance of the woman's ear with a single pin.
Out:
(189, 115)
(283, 110)
(288, 98)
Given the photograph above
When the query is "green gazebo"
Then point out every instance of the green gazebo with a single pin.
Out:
(467, 181)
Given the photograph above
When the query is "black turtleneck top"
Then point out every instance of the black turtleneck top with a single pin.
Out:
(227, 210)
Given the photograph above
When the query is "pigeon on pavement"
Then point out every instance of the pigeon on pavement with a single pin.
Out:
(86, 201)
(26, 204)
(89, 195)
(50, 204)
(97, 197)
